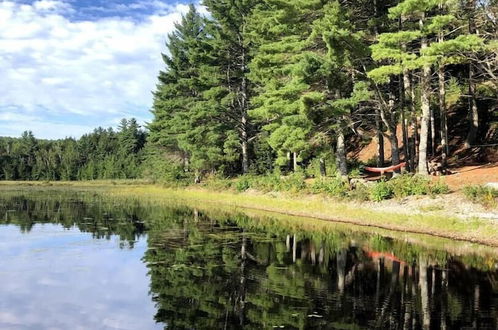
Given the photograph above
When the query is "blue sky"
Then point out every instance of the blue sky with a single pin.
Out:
(68, 66)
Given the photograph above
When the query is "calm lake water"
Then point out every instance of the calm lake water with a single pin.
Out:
(81, 261)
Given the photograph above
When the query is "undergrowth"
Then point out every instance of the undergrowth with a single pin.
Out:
(399, 187)
(486, 196)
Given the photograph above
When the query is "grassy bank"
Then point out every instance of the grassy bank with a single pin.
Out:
(431, 220)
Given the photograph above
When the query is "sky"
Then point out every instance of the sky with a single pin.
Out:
(69, 66)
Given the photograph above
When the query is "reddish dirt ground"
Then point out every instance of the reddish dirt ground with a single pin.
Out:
(468, 175)
(474, 166)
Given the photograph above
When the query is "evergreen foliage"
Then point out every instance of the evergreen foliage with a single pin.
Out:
(272, 86)
(102, 154)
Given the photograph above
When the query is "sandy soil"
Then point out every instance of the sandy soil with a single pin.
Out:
(454, 204)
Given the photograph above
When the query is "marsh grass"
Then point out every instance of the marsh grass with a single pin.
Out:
(153, 204)
(483, 195)
(318, 207)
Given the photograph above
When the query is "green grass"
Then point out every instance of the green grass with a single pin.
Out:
(247, 211)
(318, 207)
(483, 195)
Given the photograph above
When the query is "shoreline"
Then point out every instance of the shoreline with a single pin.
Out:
(417, 215)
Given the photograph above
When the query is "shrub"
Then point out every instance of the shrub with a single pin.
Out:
(331, 186)
(480, 194)
(218, 184)
(413, 185)
(360, 193)
(243, 184)
(294, 182)
(439, 188)
(381, 190)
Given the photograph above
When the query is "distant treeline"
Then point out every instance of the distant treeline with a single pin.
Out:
(102, 154)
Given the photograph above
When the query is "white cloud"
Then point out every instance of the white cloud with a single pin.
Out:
(99, 70)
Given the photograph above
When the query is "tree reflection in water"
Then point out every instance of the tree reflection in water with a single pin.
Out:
(226, 271)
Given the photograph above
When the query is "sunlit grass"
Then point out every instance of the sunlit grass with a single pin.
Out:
(314, 208)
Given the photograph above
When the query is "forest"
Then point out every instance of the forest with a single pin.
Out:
(266, 86)
(102, 154)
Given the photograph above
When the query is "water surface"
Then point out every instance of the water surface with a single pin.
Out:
(81, 261)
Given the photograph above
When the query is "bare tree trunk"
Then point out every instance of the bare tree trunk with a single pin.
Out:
(294, 161)
(390, 123)
(474, 112)
(378, 122)
(341, 161)
(323, 168)
(244, 145)
(442, 106)
(444, 123)
(244, 126)
(426, 111)
(407, 85)
(380, 140)
(404, 128)
(402, 98)
(393, 134)
(433, 132)
(244, 103)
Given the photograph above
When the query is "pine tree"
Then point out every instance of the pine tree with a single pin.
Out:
(187, 111)
(231, 18)
(280, 30)
(329, 69)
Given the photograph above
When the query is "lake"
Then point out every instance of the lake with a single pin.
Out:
(80, 260)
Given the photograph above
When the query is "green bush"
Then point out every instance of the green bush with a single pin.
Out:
(414, 185)
(360, 193)
(331, 186)
(480, 194)
(294, 182)
(243, 184)
(217, 184)
(381, 190)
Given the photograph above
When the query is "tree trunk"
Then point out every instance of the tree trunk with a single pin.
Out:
(390, 123)
(426, 111)
(444, 125)
(393, 134)
(404, 128)
(442, 106)
(244, 145)
(323, 168)
(380, 139)
(244, 128)
(409, 101)
(294, 161)
(378, 122)
(341, 161)
(244, 122)
(433, 132)
(474, 112)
